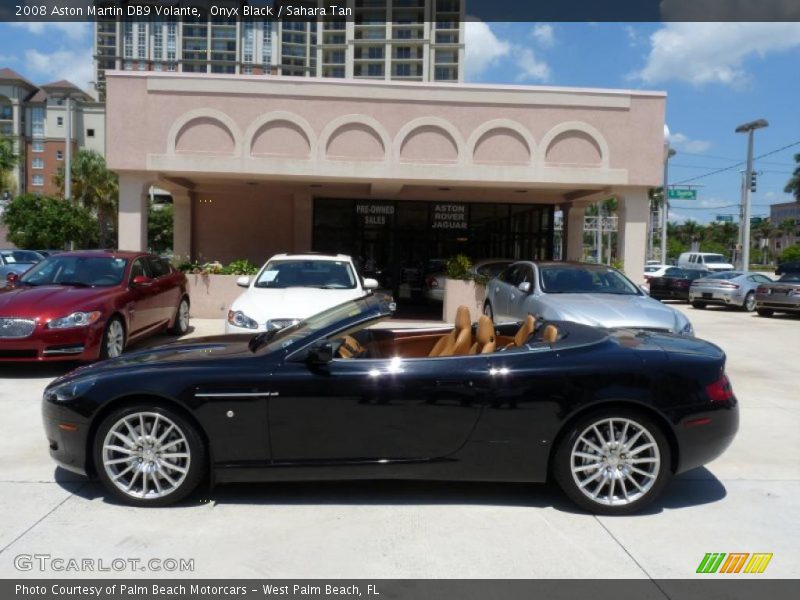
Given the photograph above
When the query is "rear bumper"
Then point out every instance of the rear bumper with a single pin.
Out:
(670, 294)
(703, 437)
(45, 345)
(788, 304)
(723, 297)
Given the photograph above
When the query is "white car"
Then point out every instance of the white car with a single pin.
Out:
(291, 287)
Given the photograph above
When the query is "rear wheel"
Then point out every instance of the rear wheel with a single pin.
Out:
(613, 462)
(487, 310)
(765, 312)
(147, 455)
(749, 303)
(697, 304)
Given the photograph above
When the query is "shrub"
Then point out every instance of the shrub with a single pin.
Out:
(792, 253)
(41, 222)
(458, 267)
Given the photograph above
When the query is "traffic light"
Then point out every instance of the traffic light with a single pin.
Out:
(753, 181)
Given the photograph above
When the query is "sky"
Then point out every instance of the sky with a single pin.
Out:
(716, 75)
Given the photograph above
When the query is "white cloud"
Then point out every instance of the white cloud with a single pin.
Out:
(544, 34)
(530, 67)
(74, 65)
(482, 48)
(703, 53)
(633, 35)
(75, 31)
(683, 142)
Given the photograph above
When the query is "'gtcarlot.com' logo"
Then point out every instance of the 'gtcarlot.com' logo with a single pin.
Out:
(48, 562)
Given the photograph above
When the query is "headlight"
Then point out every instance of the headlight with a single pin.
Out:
(69, 391)
(687, 329)
(240, 319)
(76, 319)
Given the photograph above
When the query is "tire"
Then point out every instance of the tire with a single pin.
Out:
(629, 491)
(697, 304)
(121, 464)
(487, 310)
(749, 304)
(113, 342)
(180, 325)
(765, 312)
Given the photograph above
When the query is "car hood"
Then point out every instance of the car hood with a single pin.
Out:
(612, 310)
(31, 302)
(262, 304)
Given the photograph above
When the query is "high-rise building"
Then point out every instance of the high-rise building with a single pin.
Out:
(410, 40)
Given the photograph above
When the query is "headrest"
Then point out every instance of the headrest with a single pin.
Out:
(485, 333)
(463, 320)
(550, 334)
(525, 330)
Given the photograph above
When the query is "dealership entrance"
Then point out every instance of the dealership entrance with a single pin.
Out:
(402, 241)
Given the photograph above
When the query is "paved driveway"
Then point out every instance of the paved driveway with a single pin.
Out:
(747, 501)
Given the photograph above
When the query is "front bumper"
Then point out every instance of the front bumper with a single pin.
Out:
(67, 434)
(45, 345)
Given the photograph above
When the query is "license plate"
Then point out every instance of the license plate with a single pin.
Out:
(708, 295)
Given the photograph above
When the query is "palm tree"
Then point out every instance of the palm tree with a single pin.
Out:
(793, 185)
(96, 188)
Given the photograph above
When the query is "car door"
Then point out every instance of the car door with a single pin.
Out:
(165, 295)
(519, 300)
(142, 307)
(375, 409)
(500, 289)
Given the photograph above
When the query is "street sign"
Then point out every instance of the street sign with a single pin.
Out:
(725, 218)
(676, 194)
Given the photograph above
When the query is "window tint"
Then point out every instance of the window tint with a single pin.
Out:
(138, 269)
(158, 268)
(508, 275)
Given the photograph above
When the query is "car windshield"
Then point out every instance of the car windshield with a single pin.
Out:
(98, 271)
(790, 278)
(283, 338)
(568, 279)
(323, 274)
(714, 259)
(28, 257)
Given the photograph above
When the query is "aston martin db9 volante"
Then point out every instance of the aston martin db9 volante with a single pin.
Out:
(611, 415)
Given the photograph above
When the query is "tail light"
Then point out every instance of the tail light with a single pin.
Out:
(682, 283)
(720, 390)
(730, 286)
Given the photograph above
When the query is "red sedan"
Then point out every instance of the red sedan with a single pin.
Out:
(89, 305)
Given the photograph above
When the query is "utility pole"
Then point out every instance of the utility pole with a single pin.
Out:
(668, 153)
(748, 186)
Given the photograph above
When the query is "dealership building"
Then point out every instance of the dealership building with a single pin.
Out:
(394, 173)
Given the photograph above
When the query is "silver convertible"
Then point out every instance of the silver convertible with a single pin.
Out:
(584, 293)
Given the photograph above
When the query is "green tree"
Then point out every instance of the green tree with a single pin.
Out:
(97, 189)
(41, 222)
(8, 160)
(792, 253)
(793, 185)
(159, 228)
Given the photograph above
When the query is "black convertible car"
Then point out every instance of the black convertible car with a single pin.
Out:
(610, 415)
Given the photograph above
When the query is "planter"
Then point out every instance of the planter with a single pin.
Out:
(458, 292)
(212, 295)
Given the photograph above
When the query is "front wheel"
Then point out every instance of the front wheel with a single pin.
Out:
(749, 304)
(697, 304)
(147, 455)
(613, 462)
(113, 342)
(181, 324)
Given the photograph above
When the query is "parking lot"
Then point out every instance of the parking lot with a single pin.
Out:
(746, 501)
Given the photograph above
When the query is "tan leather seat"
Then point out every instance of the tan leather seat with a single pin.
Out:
(457, 341)
(350, 348)
(484, 341)
(550, 334)
(524, 332)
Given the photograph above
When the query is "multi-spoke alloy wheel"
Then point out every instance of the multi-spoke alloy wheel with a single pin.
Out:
(613, 464)
(113, 339)
(181, 325)
(148, 456)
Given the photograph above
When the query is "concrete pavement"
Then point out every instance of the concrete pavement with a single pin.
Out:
(746, 501)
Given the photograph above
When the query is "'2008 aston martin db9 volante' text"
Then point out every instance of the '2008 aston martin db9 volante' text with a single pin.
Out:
(610, 414)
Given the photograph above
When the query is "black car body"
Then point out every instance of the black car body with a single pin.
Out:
(675, 283)
(286, 406)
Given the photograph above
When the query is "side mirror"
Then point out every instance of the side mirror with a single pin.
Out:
(320, 354)
(524, 287)
(142, 281)
(12, 277)
(243, 281)
(370, 284)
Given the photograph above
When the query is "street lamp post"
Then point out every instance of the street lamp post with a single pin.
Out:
(748, 128)
(668, 153)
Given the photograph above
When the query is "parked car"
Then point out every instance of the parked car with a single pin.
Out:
(779, 296)
(584, 293)
(652, 269)
(788, 267)
(16, 261)
(708, 261)
(732, 288)
(611, 415)
(291, 287)
(89, 305)
(489, 268)
(674, 283)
